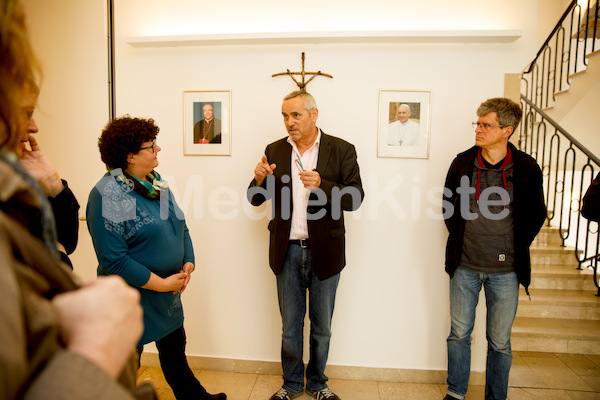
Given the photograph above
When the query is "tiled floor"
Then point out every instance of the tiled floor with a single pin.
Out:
(544, 376)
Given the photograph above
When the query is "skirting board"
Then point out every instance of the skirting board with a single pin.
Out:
(332, 371)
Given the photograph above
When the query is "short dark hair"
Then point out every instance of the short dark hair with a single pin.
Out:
(123, 136)
(509, 113)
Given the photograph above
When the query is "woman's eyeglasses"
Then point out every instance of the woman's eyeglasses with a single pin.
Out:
(153, 147)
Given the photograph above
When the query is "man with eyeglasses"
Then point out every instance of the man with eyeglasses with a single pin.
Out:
(495, 192)
(311, 178)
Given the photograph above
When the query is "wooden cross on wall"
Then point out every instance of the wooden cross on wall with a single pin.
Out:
(302, 85)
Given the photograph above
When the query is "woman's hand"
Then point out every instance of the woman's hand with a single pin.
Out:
(187, 269)
(40, 168)
(174, 282)
(171, 283)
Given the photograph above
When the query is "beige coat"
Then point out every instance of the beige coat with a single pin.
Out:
(33, 360)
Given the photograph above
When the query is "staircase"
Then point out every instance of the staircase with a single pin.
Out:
(581, 84)
(563, 315)
(562, 85)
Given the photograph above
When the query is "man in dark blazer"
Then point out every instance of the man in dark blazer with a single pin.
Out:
(311, 178)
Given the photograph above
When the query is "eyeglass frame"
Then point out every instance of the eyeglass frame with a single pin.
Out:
(485, 127)
(153, 147)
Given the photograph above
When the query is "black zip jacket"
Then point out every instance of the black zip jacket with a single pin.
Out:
(529, 209)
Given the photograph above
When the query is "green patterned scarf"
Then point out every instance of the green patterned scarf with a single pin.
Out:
(148, 190)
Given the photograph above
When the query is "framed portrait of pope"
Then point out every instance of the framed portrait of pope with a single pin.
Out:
(404, 118)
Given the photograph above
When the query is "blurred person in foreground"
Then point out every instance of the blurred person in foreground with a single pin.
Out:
(64, 204)
(140, 233)
(59, 340)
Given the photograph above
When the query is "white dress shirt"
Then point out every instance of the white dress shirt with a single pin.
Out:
(300, 194)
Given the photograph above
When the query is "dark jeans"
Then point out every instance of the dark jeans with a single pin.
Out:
(171, 353)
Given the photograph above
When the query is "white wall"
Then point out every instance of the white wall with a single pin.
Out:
(549, 12)
(392, 304)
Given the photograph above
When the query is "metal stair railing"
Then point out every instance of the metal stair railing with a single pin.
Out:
(564, 52)
(568, 169)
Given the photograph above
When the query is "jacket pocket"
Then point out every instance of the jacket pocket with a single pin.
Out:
(337, 232)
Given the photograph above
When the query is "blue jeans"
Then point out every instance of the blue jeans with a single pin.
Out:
(294, 279)
(501, 298)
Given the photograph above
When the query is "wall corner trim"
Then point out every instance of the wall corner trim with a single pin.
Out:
(328, 37)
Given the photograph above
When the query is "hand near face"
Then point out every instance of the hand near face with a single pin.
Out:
(40, 168)
(102, 321)
(310, 179)
(263, 169)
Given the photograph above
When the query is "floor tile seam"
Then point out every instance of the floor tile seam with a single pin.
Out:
(590, 390)
(549, 381)
(546, 387)
(573, 370)
(253, 385)
(539, 369)
(379, 390)
(595, 360)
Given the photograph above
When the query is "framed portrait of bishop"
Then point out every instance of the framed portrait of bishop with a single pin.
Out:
(207, 123)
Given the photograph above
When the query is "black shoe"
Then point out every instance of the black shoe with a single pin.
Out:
(283, 394)
(325, 394)
(218, 396)
(449, 397)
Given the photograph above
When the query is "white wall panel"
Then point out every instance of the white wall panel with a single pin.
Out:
(392, 304)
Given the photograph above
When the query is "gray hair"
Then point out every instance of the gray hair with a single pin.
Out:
(509, 113)
(308, 100)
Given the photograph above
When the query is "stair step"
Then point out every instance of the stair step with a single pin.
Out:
(582, 83)
(558, 93)
(574, 74)
(553, 255)
(556, 335)
(552, 249)
(570, 267)
(595, 53)
(560, 304)
(548, 236)
(561, 277)
(548, 108)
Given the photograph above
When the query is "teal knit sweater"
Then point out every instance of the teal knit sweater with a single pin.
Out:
(132, 239)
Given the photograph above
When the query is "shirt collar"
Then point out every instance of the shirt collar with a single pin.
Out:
(316, 143)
